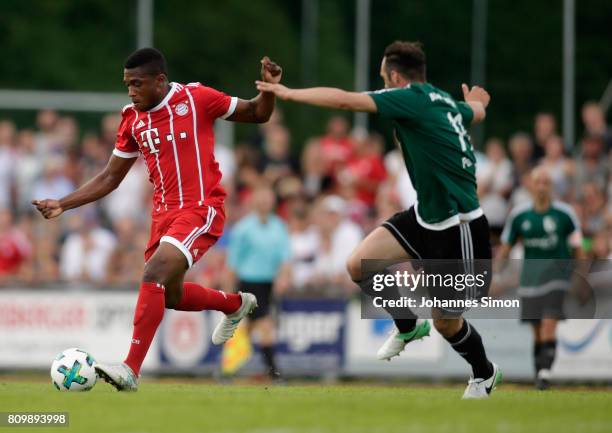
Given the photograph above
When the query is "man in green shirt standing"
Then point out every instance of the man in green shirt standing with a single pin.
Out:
(447, 221)
(550, 233)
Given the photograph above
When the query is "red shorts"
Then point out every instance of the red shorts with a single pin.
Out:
(192, 231)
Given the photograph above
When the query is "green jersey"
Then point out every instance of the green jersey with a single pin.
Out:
(548, 239)
(430, 127)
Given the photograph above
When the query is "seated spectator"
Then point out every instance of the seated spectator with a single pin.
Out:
(593, 205)
(495, 184)
(53, 183)
(560, 167)
(15, 247)
(365, 171)
(336, 145)
(304, 243)
(131, 198)
(337, 237)
(87, 250)
(399, 179)
(126, 261)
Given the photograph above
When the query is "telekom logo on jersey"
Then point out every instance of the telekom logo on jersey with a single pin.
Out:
(150, 138)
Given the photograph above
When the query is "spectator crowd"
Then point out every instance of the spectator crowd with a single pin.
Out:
(339, 187)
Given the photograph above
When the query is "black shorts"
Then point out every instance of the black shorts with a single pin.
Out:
(459, 250)
(263, 293)
(547, 306)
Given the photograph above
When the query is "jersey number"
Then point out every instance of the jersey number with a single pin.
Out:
(457, 124)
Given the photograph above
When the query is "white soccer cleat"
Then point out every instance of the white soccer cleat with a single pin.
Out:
(396, 342)
(226, 328)
(119, 375)
(482, 388)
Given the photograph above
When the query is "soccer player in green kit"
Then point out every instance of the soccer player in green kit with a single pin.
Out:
(447, 221)
(550, 233)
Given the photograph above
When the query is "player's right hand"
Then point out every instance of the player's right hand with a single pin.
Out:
(476, 94)
(49, 208)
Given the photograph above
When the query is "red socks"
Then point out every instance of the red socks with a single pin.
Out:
(150, 311)
(147, 317)
(198, 298)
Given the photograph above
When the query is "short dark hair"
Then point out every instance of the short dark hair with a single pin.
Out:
(150, 59)
(406, 58)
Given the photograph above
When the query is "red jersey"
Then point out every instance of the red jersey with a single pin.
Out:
(176, 139)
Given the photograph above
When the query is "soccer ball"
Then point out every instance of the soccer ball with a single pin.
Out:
(73, 370)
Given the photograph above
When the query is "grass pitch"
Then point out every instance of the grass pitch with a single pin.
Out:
(208, 408)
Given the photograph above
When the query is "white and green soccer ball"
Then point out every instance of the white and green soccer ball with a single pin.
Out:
(73, 370)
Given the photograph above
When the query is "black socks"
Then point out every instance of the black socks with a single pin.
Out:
(544, 355)
(468, 343)
(268, 355)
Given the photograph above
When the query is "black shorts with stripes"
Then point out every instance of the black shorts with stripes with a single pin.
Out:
(459, 250)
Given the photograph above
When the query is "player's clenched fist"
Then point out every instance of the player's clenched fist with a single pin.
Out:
(270, 71)
(48, 208)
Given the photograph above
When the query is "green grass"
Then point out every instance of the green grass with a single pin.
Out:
(176, 408)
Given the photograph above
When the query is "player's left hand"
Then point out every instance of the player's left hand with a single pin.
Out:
(476, 94)
(270, 71)
(282, 92)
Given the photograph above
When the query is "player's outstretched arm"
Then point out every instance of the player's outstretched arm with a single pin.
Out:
(327, 97)
(478, 99)
(102, 184)
(259, 109)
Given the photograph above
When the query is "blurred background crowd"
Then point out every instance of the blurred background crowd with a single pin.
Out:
(341, 184)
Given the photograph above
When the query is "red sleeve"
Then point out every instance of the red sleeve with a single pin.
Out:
(217, 104)
(126, 146)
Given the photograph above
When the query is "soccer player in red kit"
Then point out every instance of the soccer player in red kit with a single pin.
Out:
(171, 126)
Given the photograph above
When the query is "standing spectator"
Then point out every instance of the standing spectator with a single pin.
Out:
(277, 161)
(544, 127)
(560, 168)
(15, 248)
(87, 250)
(594, 122)
(521, 153)
(495, 184)
(259, 255)
(313, 168)
(46, 121)
(28, 167)
(7, 138)
(591, 164)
